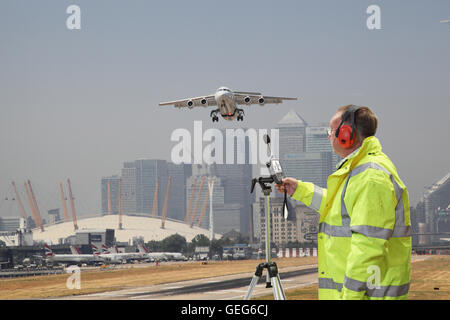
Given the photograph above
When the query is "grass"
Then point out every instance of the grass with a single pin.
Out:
(430, 280)
(98, 280)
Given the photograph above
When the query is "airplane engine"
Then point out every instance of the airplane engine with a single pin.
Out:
(261, 100)
(247, 100)
(203, 102)
(190, 104)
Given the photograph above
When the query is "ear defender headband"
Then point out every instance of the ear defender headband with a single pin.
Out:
(345, 133)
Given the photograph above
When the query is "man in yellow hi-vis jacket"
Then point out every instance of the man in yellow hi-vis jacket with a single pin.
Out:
(364, 240)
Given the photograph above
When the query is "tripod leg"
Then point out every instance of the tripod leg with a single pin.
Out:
(278, 292)
(252, 285)
(255, 279)
(268, 281)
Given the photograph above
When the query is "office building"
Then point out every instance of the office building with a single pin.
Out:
(432, 213)
(292, 133)
(53, 216)
(179, 174)
(197, 194)
(317, 141)
(129, 187)
(150, 175)
(301, 228)
(144, 187)
(312, 167)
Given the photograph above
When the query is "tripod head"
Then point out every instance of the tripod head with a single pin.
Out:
(276, 175)
(264, 183)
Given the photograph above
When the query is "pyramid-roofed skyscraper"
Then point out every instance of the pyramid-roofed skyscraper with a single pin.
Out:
(292, 133)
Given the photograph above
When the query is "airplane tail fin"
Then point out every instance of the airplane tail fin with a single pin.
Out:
(142, 248)
(95, 250)
(48, 251)
(74, 249)
(105, 249)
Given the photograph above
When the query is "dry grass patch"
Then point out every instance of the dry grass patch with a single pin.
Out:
(96, 281)
(430, 280)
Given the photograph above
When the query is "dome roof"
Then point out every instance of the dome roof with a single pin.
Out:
(132, 226)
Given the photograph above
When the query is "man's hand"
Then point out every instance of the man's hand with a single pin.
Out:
(290, 184)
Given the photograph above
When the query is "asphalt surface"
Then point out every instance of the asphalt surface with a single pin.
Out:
(231, 287)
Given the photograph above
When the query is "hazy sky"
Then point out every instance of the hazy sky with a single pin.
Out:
(78, 103)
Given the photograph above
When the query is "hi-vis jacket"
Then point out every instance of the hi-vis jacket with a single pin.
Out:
(364, 240)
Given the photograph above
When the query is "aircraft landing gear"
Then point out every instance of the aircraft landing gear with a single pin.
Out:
(214, 116)
(240, 116)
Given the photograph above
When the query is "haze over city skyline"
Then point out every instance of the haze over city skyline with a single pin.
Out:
(79, 103)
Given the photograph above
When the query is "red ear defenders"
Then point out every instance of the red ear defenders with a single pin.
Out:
(345, 133)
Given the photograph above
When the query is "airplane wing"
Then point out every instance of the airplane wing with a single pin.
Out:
(203, 101)
(249, 99)
(445, 21)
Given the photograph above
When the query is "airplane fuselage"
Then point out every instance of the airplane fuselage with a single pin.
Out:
(225, 101)
(70, 258)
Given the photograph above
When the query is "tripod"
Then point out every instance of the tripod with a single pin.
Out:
(272, 277)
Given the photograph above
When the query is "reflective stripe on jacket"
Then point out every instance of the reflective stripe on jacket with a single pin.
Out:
(364, 240)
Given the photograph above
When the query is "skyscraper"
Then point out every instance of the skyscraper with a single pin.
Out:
(305, 152)
(149, 174)
(313, 167)
(144, 178)
(317, 141)
(292, 133)
(231, 198)
(179, 174)
(129, 187)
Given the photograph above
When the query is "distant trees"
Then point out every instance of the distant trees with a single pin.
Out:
(174, 243)
(178, 243)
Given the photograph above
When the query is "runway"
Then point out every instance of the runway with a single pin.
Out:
(231, 287)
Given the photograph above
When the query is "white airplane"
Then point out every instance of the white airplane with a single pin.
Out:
(106, 256)
(445, 21)
(128, 256)
(112, 255)
(167, 255)
(69, 258)
(177, 256)
(227, 102)
(151, 255)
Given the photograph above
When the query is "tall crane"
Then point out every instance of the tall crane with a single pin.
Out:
(203, 210)
(155, 199)
(194, 213)
(38, 213)
(19, 201)
(211, 181)
(74, 216)
(166, 199)
(63, 199)
(188, 211)
(30, 203)
(120, 204)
